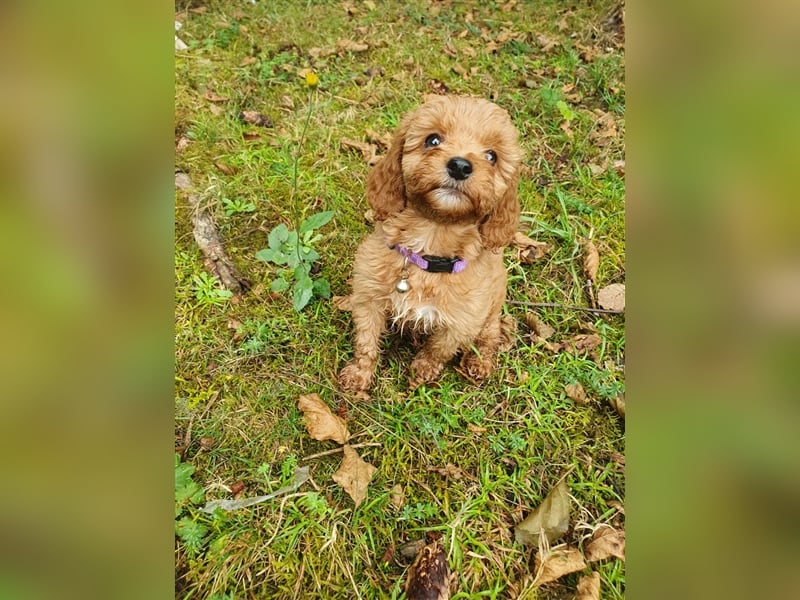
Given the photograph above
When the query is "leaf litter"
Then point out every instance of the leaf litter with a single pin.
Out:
(354, 473)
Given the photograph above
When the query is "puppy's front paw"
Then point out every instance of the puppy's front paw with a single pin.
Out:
(424, 371)
(476, 368)
(355, 378)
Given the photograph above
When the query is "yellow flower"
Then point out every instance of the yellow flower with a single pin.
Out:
(312, 80)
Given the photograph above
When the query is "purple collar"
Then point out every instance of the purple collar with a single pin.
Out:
(432, 264)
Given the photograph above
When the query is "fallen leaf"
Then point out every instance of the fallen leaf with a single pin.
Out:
(449, 470)
(429, 576)
(529, 250)
(368, 151)
(582, 342)
(225, 168)
(605, 128)
(576, 392)
(255, 118)
(591, 260)
(606, 542)
(248, 60)
(354, 475)
(183, 181)
(397, 496)
(351, 46)
(183, 143)
(612, 297)
(546, 42)
(388, 555)
(557, 563)
(320, 422)
(588, 587)
(551, 516)
(438, 87)
(237, 489)
(618, 404)
(541, 330)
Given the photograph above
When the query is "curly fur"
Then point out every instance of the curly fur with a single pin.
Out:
(419, 205)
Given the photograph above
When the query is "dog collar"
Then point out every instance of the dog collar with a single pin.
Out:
(432, 264)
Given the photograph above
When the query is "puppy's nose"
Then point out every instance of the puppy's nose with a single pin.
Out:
(459, 168)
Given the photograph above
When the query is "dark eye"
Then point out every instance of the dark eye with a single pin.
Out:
(433, 140)
(491, 156)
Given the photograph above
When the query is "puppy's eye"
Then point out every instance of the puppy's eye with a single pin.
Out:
(491, 156)
(432, 140)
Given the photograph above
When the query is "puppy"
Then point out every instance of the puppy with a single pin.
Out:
(445, 203)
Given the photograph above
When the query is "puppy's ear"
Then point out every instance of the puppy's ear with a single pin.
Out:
(498, 228)
(386, 191)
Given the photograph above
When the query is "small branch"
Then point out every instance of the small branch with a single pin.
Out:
(567, 306)
(335, 450)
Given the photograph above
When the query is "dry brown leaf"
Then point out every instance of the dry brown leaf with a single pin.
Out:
(591, 260)
(248, 60)
(612, 297)
(582, 342)
(576, 392)
(429, 575)
(605, 128)
(449, 470)
(183, 181)
(557, 563)
(351, 46)
(618, 404)
(605, 542)
(546, 42)
(398, 496)
(255, 118)
(529, 250)
(588, 587)
(320, 422)
(368, 151)
(354, 475)
(541, 330)
(551, 516)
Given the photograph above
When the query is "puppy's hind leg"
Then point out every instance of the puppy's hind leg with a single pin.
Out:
(370, 323)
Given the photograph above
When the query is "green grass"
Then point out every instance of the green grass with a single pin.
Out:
(242, 362)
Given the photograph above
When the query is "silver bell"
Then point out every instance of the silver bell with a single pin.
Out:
(402, 286)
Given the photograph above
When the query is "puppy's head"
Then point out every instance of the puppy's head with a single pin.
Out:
(453, 159)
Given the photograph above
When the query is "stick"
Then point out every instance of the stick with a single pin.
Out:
(335, 450)
(568, 307)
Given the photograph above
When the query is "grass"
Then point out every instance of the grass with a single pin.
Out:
(242, 362)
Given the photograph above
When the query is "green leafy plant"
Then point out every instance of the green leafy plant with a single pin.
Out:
(294, 250)
(188, 494)
(237, 206)
(207, 291)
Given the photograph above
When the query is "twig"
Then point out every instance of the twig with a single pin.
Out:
(568, 307)
(335, 450)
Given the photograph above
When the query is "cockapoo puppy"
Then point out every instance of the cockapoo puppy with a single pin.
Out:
(444, 200)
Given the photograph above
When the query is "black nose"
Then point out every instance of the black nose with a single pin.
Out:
(459, 168)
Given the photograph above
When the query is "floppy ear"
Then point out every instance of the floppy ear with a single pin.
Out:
(386, 192)
(498, 229)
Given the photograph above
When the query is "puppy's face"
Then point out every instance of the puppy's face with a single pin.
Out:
(460, 158)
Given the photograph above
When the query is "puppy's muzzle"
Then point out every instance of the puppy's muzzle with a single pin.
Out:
(459, 168)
